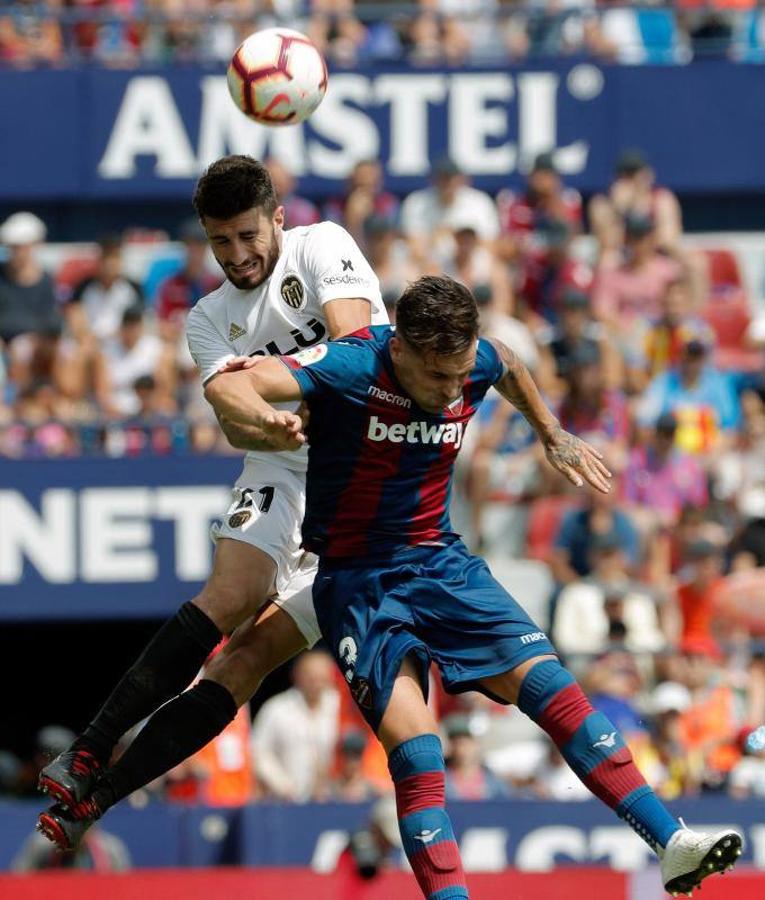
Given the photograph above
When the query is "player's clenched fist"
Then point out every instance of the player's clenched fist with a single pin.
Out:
(284, 428)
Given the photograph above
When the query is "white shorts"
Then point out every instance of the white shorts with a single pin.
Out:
(267, 512)
(297, 599)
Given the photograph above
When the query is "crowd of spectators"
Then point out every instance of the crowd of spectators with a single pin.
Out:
(653, 594)
(127, 33)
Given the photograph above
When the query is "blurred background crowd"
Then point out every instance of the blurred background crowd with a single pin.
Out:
(126, 33)
(645, 345)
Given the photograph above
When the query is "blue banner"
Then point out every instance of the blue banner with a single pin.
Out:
(92, 133)
(529, 835)
(107, 538)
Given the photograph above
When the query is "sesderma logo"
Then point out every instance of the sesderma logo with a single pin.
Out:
(416, 432)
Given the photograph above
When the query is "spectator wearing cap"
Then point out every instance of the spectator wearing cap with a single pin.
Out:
(95, 309)
(467, 777)
(660, 479)
(427, 215)
(471, 263)
(547, 271)
(628, 292)
(180, 292)
(574, 329)
(545, 200)
(634, 192)
(297, 210)
(607, 608)
(701, 398)
(27, 296)
(350, 784)
(365, 196)
(127, 357)
(677, 772)
(591, 410)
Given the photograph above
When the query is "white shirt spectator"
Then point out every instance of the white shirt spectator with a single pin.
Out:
(295, 733)
(103, 307)
(423, 213)
(127, 364)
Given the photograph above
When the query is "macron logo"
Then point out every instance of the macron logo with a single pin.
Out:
(427, 835)
(606, 740)
(533, 637)
(416, 432)
(375, 391)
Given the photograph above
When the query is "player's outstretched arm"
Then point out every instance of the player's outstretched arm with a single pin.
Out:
(242, 398)
(570, 455)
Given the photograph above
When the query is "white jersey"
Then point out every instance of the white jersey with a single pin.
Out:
(285, 314)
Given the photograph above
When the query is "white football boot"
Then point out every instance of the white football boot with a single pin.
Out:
(690, 856)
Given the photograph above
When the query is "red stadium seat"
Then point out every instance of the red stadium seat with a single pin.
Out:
(722, 269)
(545, 515)
(728, 313)
(73, 270)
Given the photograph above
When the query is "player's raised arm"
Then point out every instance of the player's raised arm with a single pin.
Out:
(243, 397)
(575, 458)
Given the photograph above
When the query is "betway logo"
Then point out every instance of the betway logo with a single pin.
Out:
(388, 397)
(416, 432)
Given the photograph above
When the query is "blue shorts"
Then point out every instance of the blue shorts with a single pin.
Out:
(439, 603)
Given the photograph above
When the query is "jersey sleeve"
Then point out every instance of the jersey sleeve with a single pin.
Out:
(338, 266)
(324, 369)
(206, 344)
(488, 364)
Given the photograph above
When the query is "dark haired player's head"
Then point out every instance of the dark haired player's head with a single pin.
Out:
(434, 347)
(237, 205)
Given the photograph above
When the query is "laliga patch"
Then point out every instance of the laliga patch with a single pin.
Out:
(311, 355)
(239, 518)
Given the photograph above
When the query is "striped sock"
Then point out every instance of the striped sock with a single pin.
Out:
(417, 769)
(594, 749)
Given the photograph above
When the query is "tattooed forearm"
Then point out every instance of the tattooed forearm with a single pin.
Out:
(517, 386)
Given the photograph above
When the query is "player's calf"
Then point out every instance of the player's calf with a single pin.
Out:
(417, 769)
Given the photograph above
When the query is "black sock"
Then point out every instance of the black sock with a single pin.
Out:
(184, 725)
(167, 666)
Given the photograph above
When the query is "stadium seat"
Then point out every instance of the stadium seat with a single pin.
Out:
(160, 268)
(658, 32)
(728, 314)
(545, 514)
(72, 271)
(722, 269)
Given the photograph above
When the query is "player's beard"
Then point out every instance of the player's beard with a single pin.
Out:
(268, 264)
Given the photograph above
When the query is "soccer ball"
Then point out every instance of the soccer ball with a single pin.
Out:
(277, 77)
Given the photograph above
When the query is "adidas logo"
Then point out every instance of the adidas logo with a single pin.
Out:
(235, 331)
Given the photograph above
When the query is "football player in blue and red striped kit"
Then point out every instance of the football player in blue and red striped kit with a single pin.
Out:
(397, 589)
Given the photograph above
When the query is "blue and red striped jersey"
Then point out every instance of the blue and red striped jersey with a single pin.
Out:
(379, 467)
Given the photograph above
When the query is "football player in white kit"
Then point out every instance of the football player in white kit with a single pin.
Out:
(285, 291)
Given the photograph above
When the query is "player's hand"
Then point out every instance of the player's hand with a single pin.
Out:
(238, 363)
(284, 429)
(577, 460)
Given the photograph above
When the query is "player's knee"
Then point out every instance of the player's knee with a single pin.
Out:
(228, 605)
(240, 671)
